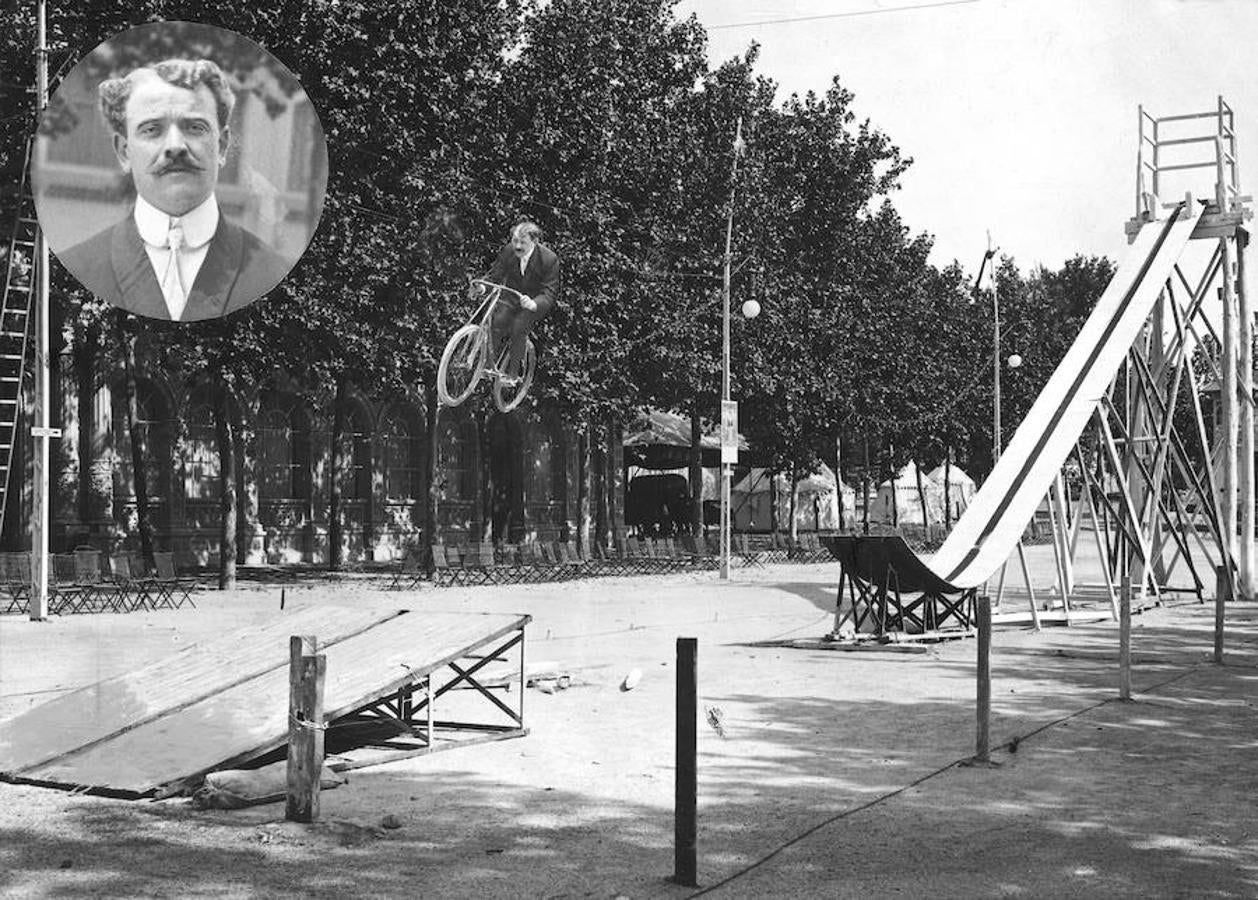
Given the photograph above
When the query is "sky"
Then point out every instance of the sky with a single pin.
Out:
(1020, 115)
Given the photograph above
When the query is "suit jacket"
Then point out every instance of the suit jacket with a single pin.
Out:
(539, 281)
(238, 269)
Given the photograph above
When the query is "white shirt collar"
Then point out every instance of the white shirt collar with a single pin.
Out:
(199, 224)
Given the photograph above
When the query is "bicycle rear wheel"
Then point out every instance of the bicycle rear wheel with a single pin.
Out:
(508, 396)
(462, 363)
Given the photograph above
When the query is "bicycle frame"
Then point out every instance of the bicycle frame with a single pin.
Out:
(494, 294)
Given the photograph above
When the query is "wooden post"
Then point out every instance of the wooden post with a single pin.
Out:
(982, 743)
(1222, 590)
(306, 672)
(1124, 640)
(685, 870)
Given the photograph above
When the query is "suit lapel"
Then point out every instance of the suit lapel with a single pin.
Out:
(138, 289)
(212, 289)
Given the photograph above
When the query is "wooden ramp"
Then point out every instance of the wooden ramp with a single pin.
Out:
(159, 729)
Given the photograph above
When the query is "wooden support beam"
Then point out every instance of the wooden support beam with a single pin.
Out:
(1124, 641)
(686, 786)
(1222, 592)
(983, 706)
(306, 672)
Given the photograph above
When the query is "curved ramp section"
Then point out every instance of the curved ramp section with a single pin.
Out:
(988, 532)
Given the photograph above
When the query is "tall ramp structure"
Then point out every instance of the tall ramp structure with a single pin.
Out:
(1164, 487)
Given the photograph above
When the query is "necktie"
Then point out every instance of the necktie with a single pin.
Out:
(172, 282)
(524, 264)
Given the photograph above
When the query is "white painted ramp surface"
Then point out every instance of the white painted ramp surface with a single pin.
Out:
(200, 726)
(989, 531)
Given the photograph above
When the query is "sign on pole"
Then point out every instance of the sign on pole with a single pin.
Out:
(729, 431)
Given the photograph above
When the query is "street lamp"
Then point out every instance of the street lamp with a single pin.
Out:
(1014, 360)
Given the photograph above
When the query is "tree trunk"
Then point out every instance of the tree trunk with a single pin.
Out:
(893, 477)
(865, 491)
(583, 491)
(921, 499)
(792, 527)
(488, 498)
(948, 488)
(225, 437)
(598, 485)
(138, 449)
(695, 475)
(432, 470)
(335, 525)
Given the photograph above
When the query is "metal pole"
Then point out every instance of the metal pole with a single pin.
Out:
(726, 469)
(995, 370)
(43, 392)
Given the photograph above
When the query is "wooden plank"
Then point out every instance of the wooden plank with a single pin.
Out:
(84, 717)
(248, 719)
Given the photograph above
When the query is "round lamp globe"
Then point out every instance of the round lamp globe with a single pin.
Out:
(751, 308)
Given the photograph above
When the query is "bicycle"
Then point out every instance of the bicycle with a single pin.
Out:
(465, 359)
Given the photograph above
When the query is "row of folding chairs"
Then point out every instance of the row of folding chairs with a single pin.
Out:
(85, 580)
(539, 561)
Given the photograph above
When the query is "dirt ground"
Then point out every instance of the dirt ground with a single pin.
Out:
(839, 773)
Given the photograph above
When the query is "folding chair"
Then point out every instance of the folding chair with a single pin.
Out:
(65, 595)
(96, 593)
(442, 571)
(410, 572)
(131, 592)
(173, 590)
(746, 553)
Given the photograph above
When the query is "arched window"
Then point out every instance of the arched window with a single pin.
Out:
(356, 456)
(401, 436)
(545, 468)
(284, 450)
(458, 456)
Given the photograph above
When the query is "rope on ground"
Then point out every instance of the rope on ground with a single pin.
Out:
(1007, 745)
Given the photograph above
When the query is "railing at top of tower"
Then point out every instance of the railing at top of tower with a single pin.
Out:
(1150, 162)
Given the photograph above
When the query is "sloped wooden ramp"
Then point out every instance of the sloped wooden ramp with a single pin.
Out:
(159, 729)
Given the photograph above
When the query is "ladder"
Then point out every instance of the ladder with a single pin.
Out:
(15, 315)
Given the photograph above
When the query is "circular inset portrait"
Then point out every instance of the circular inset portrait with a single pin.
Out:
(180, 171)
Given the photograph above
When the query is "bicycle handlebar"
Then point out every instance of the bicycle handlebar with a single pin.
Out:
(491, 286)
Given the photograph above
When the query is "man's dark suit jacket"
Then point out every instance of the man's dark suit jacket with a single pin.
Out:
(539, 281)
(238, 269)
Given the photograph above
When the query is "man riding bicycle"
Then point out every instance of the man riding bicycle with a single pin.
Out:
(532, 269)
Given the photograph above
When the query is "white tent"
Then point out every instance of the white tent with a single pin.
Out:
(817, 501)
(907, 504)
(960, 490)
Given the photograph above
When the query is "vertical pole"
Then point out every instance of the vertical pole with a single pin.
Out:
(1222, 590)
(1124, 640)
(982, 743)
(1246, 368)
(726, 470)
(995, 369)
(305, 729)
(686, 792)
(43, 374)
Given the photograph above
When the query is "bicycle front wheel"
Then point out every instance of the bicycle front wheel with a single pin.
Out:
(508, 397)
(462, 363)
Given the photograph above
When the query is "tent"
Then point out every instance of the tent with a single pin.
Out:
(908, 506)
(960, 491)
(661, 440)
(817, 499)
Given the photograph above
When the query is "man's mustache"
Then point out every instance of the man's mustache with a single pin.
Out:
(178, 165)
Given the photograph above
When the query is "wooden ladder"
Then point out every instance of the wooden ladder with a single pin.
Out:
(15, 316)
